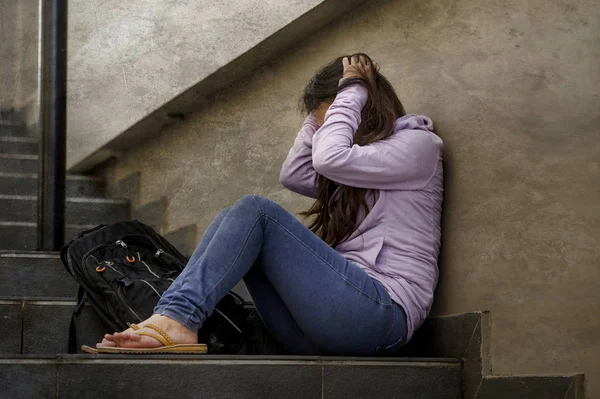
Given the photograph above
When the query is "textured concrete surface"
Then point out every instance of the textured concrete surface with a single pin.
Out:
(23, 236)
(39, 380)
(528, 387)
(513, 89)
(8, 52)
(128, 59)
(225, 377)
(11, 328)
(35, 276)
(19, 58)
(390, 383)
(193, 381)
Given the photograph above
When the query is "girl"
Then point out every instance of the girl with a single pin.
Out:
(360, 279)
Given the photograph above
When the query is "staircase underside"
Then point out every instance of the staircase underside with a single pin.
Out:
(202, 55)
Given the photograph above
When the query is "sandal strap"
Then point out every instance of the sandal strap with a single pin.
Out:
(163, 338)
(157, 337)
(134, 326)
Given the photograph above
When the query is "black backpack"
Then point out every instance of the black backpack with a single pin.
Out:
(122, 270)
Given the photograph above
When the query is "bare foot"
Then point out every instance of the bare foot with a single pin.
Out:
(129, 339)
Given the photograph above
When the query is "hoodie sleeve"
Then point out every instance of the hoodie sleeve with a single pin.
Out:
(297, 172)
(404, 161)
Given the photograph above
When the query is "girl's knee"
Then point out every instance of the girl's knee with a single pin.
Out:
(249, 198)
(261, 204)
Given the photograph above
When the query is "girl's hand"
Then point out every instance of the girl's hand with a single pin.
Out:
(353, 67)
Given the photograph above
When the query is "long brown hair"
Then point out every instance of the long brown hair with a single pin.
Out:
(379, 114)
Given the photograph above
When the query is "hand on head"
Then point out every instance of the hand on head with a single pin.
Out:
(356, 64)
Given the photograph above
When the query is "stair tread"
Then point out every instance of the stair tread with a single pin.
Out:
(35, 176)
(39, 300)
(10, 122)
(17, 253)
(11, 139)
(96, 200)
(97, 376)
(231, 359)
(30, 157)
(33, 224)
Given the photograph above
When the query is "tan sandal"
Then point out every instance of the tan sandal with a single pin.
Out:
(169, 346)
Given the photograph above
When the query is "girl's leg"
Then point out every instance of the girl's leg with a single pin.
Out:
(202, 245)
(264, 296)
(335, 303)
(275, 315)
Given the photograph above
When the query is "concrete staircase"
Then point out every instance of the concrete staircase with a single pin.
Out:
(89, 202)
(447, 358)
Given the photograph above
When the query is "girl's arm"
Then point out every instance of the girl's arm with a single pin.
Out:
(404, 161)
(297, 172)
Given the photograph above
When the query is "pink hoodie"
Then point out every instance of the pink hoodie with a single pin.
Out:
(398, 242)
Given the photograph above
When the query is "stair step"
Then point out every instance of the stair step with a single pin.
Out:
(38, 275)
(23, 235)
(128, 187)
(7, 113)
(12, 128)
(561, 387)
(35, 326)
(185, 239)
(34, 275)
(221, 377)
(23, 208)
(152, 213)
(41, 325)
(27, 184)
(20, 163)
(19, 145)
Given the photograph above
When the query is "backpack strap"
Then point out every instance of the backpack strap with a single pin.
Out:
(72, 341)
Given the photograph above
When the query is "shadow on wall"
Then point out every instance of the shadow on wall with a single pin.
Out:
(448, 192)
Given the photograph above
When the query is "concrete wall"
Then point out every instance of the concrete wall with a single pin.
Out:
(19, 57)
(513, 89)
(8, 52)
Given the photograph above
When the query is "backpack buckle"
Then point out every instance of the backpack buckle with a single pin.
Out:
(125, 281)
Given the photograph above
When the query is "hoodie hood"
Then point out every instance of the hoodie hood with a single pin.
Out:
(414, 122)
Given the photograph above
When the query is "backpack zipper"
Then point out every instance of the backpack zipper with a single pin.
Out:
(147, 266)
(122, 243)
(159, 251)
(109, 264)
(162, 253)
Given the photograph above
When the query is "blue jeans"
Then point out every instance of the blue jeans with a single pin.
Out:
(312, 299)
